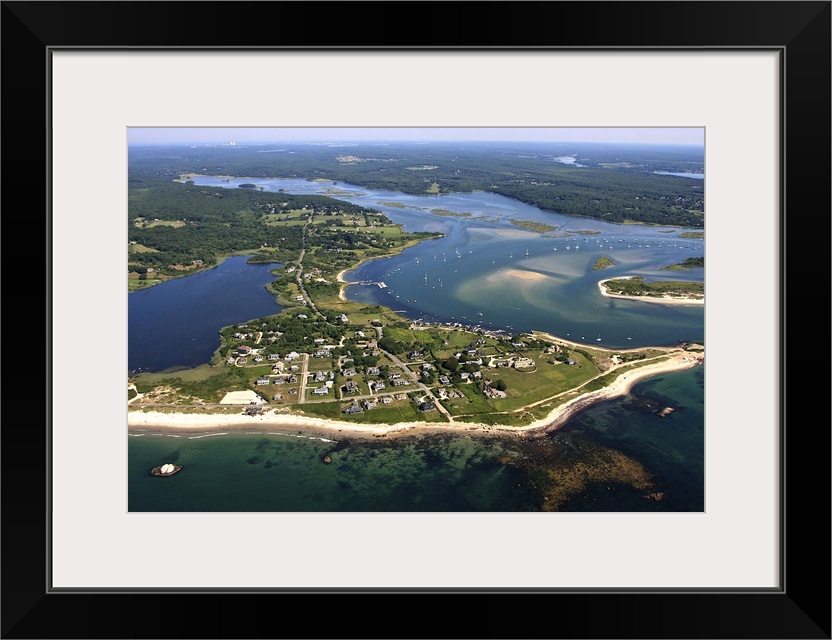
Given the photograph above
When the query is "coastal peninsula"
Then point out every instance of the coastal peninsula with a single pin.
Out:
(329, 364)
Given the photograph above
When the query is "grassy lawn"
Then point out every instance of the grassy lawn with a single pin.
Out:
(140, 248)
(525, 388)
(473, 402)
(319, 364)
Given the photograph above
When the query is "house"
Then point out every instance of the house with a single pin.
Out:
(298, 298)
(258, 358)
(302, 316)
(279, 380)
(243, 350)
(523, 363)
(321, 391)
(378, 386)
(373, 371)
(292, 355)
(277, 396)
(263, 380)
(347, 372)
(351, 387)
(386, 400)
(427, 406)
(444, 380)
(491, 392)
(399, 382)
(353, 408)
(369, 404)
(274, 356)
(427, 366)
(343, 318)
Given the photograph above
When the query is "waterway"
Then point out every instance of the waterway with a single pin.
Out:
(488, 271)
(175, 324)
(478, 273)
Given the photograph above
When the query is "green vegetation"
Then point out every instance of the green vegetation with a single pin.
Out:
(539, 227)
(602, 263)
(692, 234)
(637, 286)
(687, 263)
(607, 187)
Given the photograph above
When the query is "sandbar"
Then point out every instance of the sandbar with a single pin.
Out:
(525, 275)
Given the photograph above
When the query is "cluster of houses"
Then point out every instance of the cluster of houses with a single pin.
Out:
(368, 405)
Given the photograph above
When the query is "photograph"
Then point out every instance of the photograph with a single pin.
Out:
(415, 316)
(420, 319)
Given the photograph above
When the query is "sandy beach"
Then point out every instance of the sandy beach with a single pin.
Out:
(660, 300)
(156, 421)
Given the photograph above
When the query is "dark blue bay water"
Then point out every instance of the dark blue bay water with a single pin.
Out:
(479, 273)
(175, 324)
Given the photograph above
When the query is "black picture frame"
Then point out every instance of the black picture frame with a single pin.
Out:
(799, 608)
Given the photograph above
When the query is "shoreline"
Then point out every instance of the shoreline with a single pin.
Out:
(147, 422)
(663, 300)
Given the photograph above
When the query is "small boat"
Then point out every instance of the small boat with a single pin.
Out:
(598, 339)
(165, 470)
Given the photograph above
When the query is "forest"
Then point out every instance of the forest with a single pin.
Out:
(615, 183)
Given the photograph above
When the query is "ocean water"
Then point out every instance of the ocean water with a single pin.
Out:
(642, 462)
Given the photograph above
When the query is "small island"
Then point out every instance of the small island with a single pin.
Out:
(603, 263)
(661, 291)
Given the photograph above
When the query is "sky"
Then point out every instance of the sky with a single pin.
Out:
(243, 135)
